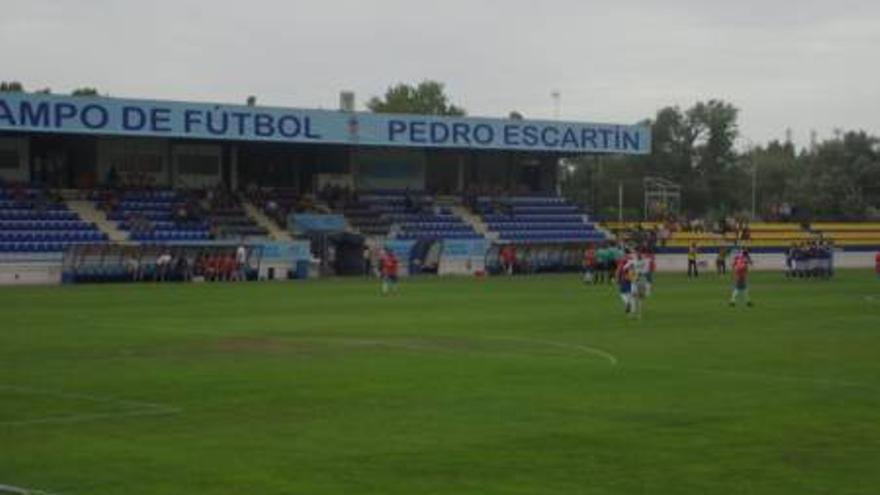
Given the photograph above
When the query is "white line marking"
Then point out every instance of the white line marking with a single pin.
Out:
(131, 408)
(611, 358)
(80, 396)
(15, 490)
(80, 418)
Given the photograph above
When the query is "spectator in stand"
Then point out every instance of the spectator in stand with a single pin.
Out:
(664, 234)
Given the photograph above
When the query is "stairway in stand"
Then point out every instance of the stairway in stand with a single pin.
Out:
(88, 212)
(262, 220)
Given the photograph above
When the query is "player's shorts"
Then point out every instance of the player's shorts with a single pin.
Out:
(740, 285)
(640, 289)
(391, 278)
(649, 277)
(625, 287)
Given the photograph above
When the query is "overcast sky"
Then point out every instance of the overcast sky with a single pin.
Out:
(806, 65)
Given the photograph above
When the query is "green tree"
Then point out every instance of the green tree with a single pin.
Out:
(11, 87)
(426, 98)
(838, 180)
(85, 91)
(693, 148)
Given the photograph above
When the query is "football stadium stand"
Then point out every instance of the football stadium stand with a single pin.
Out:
(410, 216)
(31, 220)
(759, 235)
(154, 215)
(537, 219)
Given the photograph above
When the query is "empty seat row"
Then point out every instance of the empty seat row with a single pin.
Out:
(37, 247)
(9, 204)
(539, 225)
(537, 200)
(423, 217)
(543, 210)
(434, 226)
(438, 235)
(52, 236)
(571, 218)
(167, 225)
(8, 193)
(119, 216)
(148, 195)
(524, 200)
(552, 235)
(45, 225)
(437, 232)
(171, 235)
(37, 215)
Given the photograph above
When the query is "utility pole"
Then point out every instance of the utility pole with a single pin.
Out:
(556, 96)
(754, 182)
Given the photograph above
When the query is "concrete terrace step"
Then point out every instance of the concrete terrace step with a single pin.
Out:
(262, 220)
(87, 211)
(474, 221)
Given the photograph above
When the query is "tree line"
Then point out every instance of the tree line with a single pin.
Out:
(17, 87)
(834, 179)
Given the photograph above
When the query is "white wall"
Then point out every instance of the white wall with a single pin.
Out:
(762, 261)
(21, 146)
(30, 273)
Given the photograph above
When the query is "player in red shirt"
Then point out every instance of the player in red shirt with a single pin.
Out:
(877, 263)
(740, 275)
(508, 258)
(228, 267)
(589, 264)
(389, 271)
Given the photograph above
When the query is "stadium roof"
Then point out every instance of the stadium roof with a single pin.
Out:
(21, 112)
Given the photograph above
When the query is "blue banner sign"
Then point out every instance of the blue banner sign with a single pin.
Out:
(114, 116)
(309, 222)
(464, 249)
(285, 251)
(401, 249)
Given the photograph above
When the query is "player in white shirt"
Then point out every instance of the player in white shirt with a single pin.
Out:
(639, 270)
(241, 257)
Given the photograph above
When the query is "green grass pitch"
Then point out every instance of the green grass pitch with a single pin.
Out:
(452, 386)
